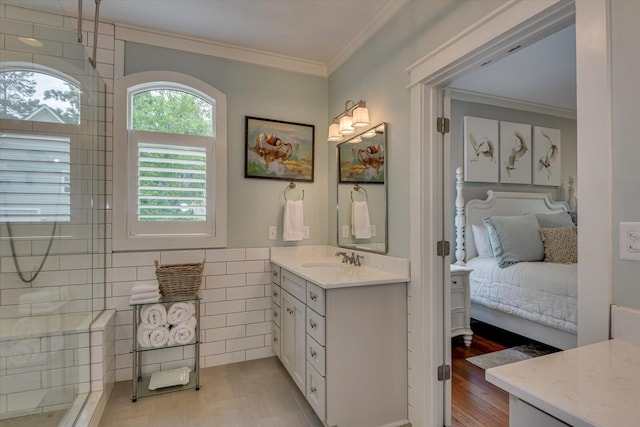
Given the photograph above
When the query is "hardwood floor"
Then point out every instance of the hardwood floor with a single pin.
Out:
(474, 401)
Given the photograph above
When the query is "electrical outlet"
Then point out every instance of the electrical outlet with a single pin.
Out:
(373, 230)
(630, 240)
(306, 232)
(344, 232)
(273, 232)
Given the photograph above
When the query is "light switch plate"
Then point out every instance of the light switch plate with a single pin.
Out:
(630, 240)
(344, 232)
(273, 232)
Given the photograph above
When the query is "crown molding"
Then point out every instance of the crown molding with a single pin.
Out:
(379, 19)
(513, 104)
(135, 34)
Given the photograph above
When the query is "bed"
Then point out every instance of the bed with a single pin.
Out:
(535, 299)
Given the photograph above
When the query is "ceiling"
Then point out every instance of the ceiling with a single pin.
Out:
(327, 32)
(319, 31)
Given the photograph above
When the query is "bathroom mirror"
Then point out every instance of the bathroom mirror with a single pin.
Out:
(362, 191)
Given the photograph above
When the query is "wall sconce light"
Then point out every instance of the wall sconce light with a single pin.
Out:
(354, 115)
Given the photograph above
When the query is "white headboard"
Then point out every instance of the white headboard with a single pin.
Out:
(496, 203)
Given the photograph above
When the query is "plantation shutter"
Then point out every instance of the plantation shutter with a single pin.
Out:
(34, 178)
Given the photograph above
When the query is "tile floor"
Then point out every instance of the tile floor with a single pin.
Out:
(47, 419)
(256, 393)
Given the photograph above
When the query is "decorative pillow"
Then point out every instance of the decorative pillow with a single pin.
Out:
(481, 239)
(514, 239)
(562, 219)
(560, 244)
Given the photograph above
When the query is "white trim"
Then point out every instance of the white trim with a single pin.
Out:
(595, 253)
(514, 22)
(382, 16)
(118, 59)
(513, 104)
(490, 38)
(206, 47)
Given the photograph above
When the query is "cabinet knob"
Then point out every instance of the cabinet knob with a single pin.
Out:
(313, 390)
(275, 340)
(275, 293)
(290, 310)
(313, 352)
(275, 313)
(275, 274)
(313, 296)
(313, 324)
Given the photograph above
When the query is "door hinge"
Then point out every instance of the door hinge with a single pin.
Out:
(442, 125)
(442, 248)
(444, 372)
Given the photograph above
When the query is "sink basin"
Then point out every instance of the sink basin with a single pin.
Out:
(327, 265)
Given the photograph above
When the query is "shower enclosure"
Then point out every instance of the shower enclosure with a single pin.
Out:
(52, 217)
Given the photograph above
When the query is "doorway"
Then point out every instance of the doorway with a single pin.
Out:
(514, 23)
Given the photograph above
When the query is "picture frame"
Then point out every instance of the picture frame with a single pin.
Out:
(278, 149)
(361, 162)
(515, 153)
(481, 150)
(547, 151)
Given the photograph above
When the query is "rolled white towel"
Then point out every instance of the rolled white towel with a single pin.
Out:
(183, 333)
(143, 288)
(153, 316)
(159, 337)
(180, 312)
(144, 334)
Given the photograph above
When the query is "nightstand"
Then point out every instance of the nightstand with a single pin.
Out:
(461, 303)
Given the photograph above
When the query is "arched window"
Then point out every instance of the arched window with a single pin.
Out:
(169, 163)
(35, 167)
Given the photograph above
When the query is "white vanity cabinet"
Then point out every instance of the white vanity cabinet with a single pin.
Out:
(351, 349)
(276, 315)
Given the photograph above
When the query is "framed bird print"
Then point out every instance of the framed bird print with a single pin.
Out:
(480, 150)
(546, 156)
(515, 153)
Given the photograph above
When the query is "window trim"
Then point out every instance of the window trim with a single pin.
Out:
(124, 237)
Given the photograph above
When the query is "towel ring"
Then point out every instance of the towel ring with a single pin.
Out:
(359, 187)
(291, 186)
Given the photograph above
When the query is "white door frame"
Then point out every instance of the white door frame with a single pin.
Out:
(516, 22)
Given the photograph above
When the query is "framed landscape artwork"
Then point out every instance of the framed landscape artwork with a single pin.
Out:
(515, 153)
(480, 150)
(277, 149)
(546, 156)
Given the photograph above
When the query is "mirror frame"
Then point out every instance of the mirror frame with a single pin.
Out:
(355, 246)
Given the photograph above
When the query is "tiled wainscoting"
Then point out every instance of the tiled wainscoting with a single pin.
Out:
(235, 319)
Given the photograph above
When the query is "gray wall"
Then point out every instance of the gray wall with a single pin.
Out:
(625, 149)
(568, 148)
(252, 90)
(377, 73)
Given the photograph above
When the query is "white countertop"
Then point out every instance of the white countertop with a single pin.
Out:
(334, 274)
(593, 385)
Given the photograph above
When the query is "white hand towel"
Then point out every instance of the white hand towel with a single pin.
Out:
(293, 221)
(180, 312)
(159, 337)
(146, 297)
(360, 222)
(153, 316)
(183, 333)
(142, 288)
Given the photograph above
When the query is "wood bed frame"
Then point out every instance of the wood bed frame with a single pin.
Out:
(505, 203)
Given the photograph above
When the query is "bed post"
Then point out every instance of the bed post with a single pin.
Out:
(571, 201)
(460, 219)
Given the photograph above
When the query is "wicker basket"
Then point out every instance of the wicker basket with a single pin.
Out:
(179, 279)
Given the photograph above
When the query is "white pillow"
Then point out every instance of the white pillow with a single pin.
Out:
(481, 239)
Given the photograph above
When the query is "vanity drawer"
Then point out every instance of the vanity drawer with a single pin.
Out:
(315, 326)
(315, 355)
(315, 298)
(316, 392)
(276, 340)
(276, 315)
(275, 274)
(293, 284)
(276, 294)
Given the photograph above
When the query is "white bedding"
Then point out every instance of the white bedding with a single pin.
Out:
(549, 296)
